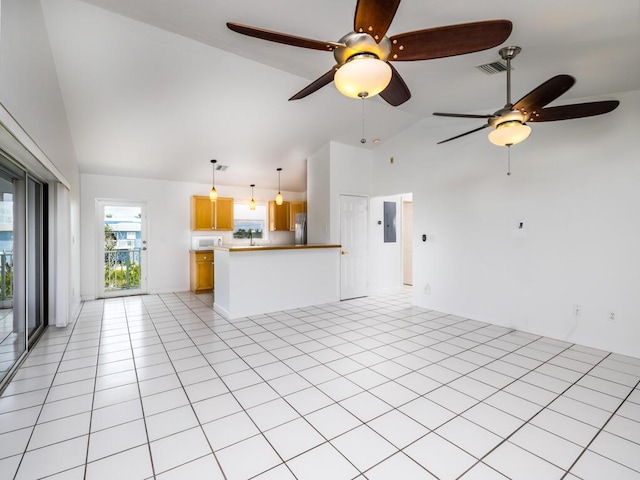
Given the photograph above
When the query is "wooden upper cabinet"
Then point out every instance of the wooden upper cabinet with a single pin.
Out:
(295, 208)
(223, 208)
(208, 215)
(278, 217)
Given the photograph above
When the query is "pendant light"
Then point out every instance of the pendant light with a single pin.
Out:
(213, 194)
(252, 203)
(279, 198)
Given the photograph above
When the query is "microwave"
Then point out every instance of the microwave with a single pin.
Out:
(205, 243)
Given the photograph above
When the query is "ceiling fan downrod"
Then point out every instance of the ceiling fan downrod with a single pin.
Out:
(509, 53)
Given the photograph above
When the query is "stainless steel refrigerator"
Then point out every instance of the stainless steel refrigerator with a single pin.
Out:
(301, 229)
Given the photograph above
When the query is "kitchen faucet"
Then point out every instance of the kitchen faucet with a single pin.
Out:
(251, 237)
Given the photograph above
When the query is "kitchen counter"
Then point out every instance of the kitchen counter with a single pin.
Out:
(250, 248)
(274, 278)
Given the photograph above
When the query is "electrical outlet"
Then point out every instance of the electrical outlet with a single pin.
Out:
(427, 289)
(612, 316)
(577, 310)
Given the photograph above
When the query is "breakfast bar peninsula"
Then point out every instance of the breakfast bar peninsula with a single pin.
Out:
(252, 280)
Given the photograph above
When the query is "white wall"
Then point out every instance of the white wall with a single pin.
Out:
(350, 174)
(339, 169)
(168, 221)
(336, 169)
(29, 91)
(318, 206)
(575, 188)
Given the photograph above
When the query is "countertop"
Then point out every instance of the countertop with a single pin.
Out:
(254, 248)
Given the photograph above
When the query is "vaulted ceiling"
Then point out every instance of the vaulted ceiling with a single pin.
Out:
(157, 88)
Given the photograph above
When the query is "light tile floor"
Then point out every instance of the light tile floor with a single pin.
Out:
(10, 349)
(161, 387)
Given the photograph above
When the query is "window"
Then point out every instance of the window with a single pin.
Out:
(249, 223)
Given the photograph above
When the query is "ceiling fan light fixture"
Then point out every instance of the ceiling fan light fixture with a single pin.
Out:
(364, 75)
(509, 133)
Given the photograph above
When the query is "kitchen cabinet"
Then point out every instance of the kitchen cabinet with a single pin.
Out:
(208, 215)
(201, 271)
(294, 209)
(279, 217)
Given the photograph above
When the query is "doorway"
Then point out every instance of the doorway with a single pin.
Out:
(122, 236)
(407, 242)
(354, 214)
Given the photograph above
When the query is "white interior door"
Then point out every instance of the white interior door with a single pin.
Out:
(122, 246)
(354, 240)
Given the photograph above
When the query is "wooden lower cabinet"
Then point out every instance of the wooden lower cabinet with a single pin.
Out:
(201, 271)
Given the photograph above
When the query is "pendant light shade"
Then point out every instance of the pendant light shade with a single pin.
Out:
(213, 194)
(363, 76)
(279, 198)
(509, 133)
(252, 203)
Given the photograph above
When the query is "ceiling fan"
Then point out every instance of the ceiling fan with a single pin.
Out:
(509, 122)
(362, 57)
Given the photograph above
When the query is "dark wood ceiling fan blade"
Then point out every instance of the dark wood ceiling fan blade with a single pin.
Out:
(543, 94)
(465, 133)
(397, 91)
(577, 110)
(462, 115)
(374, 17)
(449, 40)
(316, 84)
(283, 37)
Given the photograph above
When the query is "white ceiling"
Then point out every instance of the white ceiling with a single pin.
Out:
(157, 88)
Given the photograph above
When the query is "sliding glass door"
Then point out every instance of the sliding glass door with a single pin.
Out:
(22, 263)
(12, 331)
(35, 263)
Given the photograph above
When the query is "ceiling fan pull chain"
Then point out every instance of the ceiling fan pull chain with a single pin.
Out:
(509, 159)
(362, 96)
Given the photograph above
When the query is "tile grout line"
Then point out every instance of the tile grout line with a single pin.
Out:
(183, 386)
(521, 346)
(301, 416)
(362, 318)
(510, 331)
(44, 401)
(283, 462)
(527, 422)
(600, 431)
(135, 369)
(340, 375)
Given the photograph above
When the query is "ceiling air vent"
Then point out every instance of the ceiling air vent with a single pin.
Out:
(221, 168)
(493, 67)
